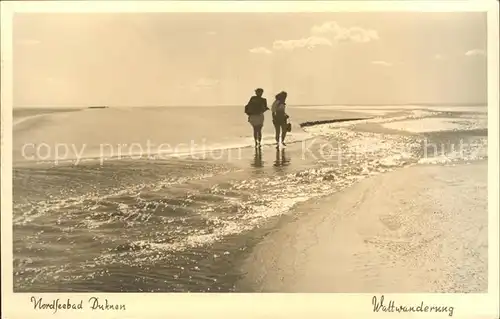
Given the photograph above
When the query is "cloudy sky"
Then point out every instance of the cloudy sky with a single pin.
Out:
(139, 59)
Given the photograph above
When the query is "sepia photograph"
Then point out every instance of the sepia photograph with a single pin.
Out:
(249, 152)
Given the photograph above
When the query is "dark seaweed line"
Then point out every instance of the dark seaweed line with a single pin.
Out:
(312, 123)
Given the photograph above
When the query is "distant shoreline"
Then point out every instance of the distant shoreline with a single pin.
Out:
(236, 105)
(28, 112)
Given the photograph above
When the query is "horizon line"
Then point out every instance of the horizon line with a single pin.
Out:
(292, 105)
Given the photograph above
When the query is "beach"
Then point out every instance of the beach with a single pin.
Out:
(159, 200)
(421, 229)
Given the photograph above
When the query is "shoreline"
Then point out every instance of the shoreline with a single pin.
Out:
(382, 234)
(192, 220)
(67, 148)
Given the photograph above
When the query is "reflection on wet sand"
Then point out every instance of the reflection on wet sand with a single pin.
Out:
(281, 159)
(257, 159)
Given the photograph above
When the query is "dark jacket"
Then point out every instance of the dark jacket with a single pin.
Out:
(256, 105)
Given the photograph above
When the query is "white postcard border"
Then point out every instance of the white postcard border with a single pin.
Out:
(170, 305)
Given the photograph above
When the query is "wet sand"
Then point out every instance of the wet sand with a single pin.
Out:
(419, 229)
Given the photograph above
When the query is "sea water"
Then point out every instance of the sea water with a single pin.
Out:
(180, 217)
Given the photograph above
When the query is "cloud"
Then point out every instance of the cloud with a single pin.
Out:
(438, 57)
(261, 50)
(211, 32)
(309, 43)
(324, 35)
(337, 33)
(382, 63)
(475, 52)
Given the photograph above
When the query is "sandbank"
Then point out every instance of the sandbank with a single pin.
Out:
(419, 229)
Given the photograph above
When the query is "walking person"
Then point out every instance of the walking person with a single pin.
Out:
(255, 110)
(280, 118)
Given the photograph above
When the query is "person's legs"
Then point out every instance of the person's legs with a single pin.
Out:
(255, 133)
(277, 129)
(259, 133)
(283, 133)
